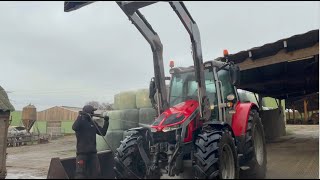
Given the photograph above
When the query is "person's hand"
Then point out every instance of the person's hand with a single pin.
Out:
(106, 118)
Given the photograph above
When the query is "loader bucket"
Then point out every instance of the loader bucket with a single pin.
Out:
(65, 168)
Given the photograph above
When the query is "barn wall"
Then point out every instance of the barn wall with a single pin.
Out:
(57, 120)
(57, 114)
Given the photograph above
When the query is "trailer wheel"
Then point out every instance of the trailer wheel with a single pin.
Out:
(216, 155)
(128, 155)
(255, 147)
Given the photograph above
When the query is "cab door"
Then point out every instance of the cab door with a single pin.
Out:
(225, 89)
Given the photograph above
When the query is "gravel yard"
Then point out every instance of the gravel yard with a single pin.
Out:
(293, 156)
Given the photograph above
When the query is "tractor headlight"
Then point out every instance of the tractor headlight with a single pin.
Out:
(171, 128)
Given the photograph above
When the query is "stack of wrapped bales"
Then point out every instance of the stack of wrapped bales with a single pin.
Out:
(146, 112)
(131, 109)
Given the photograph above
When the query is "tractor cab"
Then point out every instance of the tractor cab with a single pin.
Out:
(184, 87)
(220, 80)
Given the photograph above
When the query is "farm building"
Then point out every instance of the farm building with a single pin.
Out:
(57, 120)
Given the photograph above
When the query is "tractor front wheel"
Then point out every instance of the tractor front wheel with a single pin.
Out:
(216, 155)
(128, 161)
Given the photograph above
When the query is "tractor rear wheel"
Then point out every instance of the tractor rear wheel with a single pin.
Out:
(216, 155)
(255, 148)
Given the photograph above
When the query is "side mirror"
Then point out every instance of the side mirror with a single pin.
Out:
(234, 72)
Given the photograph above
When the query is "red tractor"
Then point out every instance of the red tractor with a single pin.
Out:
(203, 121)
(230, 137)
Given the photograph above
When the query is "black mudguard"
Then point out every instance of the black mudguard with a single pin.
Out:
(220, 125)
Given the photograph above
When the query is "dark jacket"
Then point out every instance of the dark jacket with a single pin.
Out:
(86, 130)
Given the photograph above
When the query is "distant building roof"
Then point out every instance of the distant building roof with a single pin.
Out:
(5, 104)
(75, 109)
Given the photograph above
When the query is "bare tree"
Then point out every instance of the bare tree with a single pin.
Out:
(102, 106)
(106, 106)
(95, 104)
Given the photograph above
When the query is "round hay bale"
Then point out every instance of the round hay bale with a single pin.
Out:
(123, 119)
(113, 139)
(101, 145)
(126, 100)
(130, 115)
(116, 101)
(129, 118)
(115, 114)
(142, 99)
(147, 115)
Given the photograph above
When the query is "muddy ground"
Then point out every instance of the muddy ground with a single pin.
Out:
(32, 162)
(294, 156)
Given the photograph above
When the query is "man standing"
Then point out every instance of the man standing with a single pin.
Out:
(87, 162)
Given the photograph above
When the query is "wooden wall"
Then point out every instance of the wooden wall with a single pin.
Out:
(4, 123)
(57, 114)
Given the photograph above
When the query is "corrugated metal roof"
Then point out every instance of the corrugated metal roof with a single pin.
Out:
(292, 43)
(278, 77)
(5, 104)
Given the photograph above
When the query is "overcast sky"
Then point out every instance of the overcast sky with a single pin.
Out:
(52, 58)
